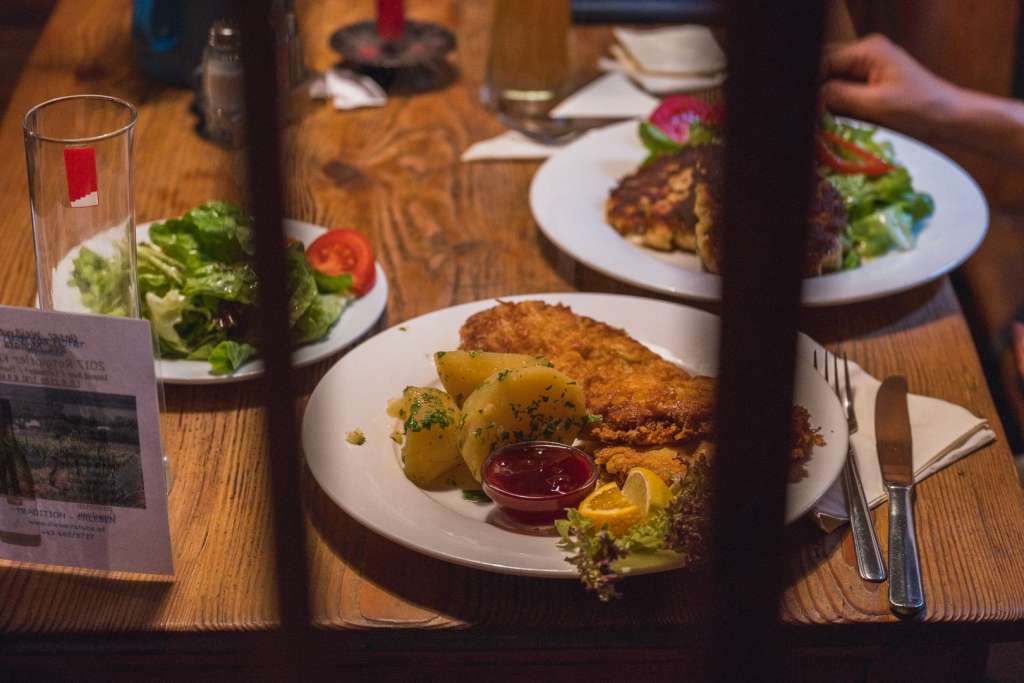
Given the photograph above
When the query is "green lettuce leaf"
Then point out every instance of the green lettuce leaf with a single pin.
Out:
(228, 356)
(333, 284)
(177, 239)
(158, 272)
(302, 288)
(318, 318)
(104, 283)
(223, 230)
(164, 313)
(229, 282)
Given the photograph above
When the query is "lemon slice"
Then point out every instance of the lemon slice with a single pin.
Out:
(646, 490)
(607, 506)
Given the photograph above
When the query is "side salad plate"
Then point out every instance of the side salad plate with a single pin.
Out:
(358, 314)
(353, 448)
(897, 236)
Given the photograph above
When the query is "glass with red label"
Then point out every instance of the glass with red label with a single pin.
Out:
(79, 152)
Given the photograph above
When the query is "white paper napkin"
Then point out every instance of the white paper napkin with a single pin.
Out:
(664, 85)
(942, 433)
(509, 145)
(348, 90)
(611, 96)
(677, 50)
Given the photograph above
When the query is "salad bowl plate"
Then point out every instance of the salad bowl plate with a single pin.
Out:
(358, 317)
(594, 164)
(366, 479)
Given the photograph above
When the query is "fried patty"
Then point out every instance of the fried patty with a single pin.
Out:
(674, 202)
(826, 223)
(656, 205)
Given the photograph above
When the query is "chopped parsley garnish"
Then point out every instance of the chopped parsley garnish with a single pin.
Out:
(425, 412)
(474, 496)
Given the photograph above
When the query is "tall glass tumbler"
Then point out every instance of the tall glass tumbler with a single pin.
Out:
(528, 67)
(80, 173)
(79, 153)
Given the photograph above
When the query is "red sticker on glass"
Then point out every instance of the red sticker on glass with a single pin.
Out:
(80, 166)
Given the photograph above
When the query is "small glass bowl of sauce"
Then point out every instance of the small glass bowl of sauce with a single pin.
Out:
(535, 481)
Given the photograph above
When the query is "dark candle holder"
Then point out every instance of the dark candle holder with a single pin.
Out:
(415, 62)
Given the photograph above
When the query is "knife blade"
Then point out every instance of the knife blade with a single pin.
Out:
(895, 457)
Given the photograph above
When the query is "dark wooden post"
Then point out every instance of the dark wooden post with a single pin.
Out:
(264, 154)
(773, 51)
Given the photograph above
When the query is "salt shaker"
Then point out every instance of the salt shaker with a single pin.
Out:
(223, 94)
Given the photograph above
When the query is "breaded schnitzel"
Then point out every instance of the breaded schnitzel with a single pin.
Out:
(642, 398)
(649, 407)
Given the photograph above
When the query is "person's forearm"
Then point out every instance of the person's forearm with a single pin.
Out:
(993, 125)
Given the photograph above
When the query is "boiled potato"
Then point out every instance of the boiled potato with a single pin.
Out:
(430, 421)
(525, 404)
(462, 372)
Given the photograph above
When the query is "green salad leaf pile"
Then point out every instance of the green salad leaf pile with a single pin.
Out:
(884, 212)
(198, 288)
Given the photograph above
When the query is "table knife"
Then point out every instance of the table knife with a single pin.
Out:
(895, 448)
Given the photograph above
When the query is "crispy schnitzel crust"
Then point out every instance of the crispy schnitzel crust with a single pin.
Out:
(643, 400)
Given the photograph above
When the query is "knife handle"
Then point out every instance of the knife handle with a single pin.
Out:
(906, 592)
(870, 564)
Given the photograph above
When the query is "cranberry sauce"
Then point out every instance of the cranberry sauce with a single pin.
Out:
(538, 469)
(537, 480)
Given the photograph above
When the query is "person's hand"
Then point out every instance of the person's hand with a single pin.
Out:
(875, 80)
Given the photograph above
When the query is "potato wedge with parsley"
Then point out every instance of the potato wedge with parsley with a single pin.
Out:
(462, 372)
(430, 421)
(524, 404)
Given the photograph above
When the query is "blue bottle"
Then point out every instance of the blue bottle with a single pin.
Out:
(169, 36)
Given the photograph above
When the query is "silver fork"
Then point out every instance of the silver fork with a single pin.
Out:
(870, 565)
(553, 131)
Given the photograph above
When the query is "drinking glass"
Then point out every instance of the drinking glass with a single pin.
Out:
(79, 153)
(528, 63)
(80, 170)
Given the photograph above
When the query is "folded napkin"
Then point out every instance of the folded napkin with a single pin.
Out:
(673, 51)
(509, 145)
(611, 96)
(676, 59)
(942, 434)
(347, 89)
(663, 84)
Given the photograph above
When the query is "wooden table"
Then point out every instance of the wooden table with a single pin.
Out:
(447, 233)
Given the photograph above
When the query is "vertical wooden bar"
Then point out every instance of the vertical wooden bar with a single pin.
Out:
(264, 154)
(773, 51)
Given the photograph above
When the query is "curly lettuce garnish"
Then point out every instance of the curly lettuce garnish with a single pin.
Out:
(677, 532)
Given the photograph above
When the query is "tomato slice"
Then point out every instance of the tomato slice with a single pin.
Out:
(340, 251)
(862, 160)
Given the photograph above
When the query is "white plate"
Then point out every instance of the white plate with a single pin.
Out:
(367, 481)
(568, 195)
(357, 319)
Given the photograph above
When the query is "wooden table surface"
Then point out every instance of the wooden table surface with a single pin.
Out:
(446, 233)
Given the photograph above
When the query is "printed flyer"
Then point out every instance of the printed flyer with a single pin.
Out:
(82, 481)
